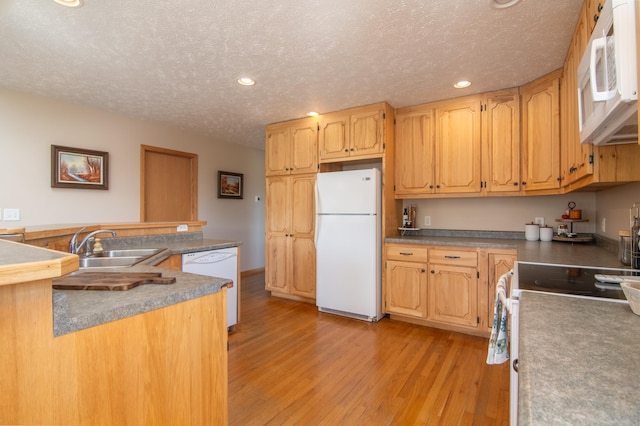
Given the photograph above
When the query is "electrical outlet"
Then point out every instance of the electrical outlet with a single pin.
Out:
(11, 214)
(427, 221)
(603, 224)
(539, 220)
(183, 228)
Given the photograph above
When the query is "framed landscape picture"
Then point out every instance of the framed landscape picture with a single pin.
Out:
(79, 168)
(230, 185)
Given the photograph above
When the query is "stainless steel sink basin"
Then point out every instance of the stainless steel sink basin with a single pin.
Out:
(127, 253)
(119, 257)
(101, 262)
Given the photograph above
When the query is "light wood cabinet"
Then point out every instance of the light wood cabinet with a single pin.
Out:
(453, 287)
(406, 280)
(500, 262)
(290, 249)
(541, 133)
(435, 286)
(576, 158)
(438, 148)
(458, 142)
(292, 147)
(593, 8)
(415, 161)
(501, 143)
(355, 133)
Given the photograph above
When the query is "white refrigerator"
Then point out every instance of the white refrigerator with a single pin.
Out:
(348, 243)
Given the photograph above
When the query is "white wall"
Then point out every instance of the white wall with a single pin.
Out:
(613, 205)
(502, 213)
(30, 124)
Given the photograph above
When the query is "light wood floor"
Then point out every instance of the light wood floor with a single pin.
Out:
(291, 365)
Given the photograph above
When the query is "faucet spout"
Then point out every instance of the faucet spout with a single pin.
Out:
(77, 247)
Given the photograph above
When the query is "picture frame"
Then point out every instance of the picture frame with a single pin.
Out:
(79, 168)
(230, 185)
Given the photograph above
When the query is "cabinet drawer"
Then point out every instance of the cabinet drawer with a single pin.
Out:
(408, 253)
(453, 257)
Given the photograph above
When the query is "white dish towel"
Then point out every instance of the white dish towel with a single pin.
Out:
(498, 351)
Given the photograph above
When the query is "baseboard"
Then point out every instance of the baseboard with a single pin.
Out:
(251, 272)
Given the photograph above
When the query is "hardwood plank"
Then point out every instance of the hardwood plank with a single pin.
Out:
(291, 365)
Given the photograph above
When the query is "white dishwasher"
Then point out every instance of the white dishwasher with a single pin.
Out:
(221, 263)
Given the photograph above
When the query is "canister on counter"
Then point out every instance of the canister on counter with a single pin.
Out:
(563, 230)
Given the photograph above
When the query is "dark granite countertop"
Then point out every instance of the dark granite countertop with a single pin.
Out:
(578, 361)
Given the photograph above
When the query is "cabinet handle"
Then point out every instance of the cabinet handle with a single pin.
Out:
(451, 257)
(406, 254)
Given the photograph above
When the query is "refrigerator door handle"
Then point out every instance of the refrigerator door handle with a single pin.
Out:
(315, 233)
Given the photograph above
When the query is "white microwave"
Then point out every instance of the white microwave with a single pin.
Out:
(607, 78)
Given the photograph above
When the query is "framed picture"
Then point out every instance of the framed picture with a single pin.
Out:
(230, 185)
(79, 168)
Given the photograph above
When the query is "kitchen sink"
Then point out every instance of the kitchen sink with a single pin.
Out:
(126, 253)
(117, 258)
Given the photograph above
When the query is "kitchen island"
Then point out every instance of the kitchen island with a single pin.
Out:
(159, 364)
(578, 361)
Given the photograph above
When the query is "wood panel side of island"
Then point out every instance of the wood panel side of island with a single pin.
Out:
(166, 366)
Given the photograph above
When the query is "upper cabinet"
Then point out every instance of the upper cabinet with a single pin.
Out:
(541, 133)
(292, 147)
(355, 133)
(458, 142)
(468, 145)
(501, 143)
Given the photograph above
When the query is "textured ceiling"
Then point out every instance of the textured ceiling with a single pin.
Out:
(178, 61)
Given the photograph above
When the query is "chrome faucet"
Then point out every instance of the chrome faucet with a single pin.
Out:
(74, 247)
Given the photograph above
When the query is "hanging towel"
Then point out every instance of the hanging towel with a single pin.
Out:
(498, 351)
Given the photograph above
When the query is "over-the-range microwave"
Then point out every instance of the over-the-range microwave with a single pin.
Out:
(607, 78)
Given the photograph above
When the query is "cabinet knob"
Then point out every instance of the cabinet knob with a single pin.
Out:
(346, 150)
(423, 270)
(600, 7)
(524, 183)
(352, 149)
(515, 183)
(430, 186)
(595, 18)
(433, 272)
(437, 186)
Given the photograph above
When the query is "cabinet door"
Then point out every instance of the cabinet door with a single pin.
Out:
(502, 142)
(277, 207)
(304, 146)
(303, 267)
(333, 137)
(277, 263)
(499, 264)
(414, 151)
(406, 288)
(277, 150)
(302, 202)
(541, 133)
(453, 295)
(366, 129)
(458, 141)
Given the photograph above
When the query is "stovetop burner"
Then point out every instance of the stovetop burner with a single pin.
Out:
(570, 280)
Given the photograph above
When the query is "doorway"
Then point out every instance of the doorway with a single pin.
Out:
(168, 185)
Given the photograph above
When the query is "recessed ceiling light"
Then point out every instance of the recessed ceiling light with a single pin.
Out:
(462, 84)
(246, 81)
(502, 4)
(312, 114)
(69, 3)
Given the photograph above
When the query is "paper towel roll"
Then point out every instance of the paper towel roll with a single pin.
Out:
(532, 232)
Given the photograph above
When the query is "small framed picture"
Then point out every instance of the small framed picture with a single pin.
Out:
(230, 185)
(79, 168)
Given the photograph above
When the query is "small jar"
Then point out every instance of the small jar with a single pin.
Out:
(624, 247)
(563, 230)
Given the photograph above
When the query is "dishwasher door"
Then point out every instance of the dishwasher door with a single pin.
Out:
(221, 263)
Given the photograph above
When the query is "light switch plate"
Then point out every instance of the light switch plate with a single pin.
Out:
(183, 228)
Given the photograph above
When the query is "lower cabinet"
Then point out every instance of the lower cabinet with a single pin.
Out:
(406, 280)
(453, 287)
(448, 287)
